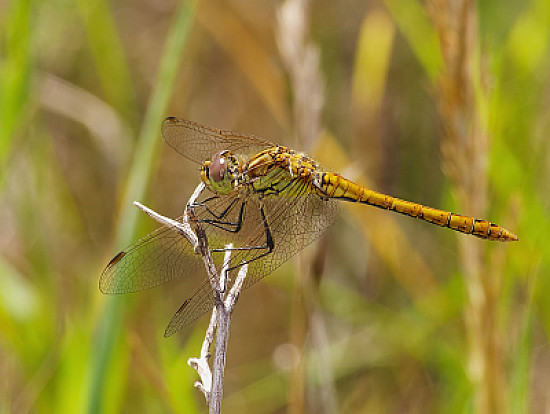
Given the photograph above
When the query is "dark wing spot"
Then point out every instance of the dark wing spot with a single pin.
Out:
(115, 260)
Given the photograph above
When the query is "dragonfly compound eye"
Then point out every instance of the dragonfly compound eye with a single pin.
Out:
(217, 168)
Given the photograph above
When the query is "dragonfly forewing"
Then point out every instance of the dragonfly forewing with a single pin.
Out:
(199, 142)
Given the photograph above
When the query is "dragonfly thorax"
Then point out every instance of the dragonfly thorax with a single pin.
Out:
(220, 174)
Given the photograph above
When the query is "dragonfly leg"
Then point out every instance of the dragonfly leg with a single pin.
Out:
(268, 246)
(226, 225)
(205, 206)
(218, 221)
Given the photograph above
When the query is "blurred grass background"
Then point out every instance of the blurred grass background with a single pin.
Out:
(443, 103)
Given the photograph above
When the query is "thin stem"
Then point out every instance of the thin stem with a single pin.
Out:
(222, 336)
(211, 387)
(224, 310)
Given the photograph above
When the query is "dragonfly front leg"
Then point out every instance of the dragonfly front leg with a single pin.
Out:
(219, 219)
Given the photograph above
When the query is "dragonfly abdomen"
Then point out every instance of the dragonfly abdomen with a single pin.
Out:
(336, 186)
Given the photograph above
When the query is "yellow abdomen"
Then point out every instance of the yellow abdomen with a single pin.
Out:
(336, 186)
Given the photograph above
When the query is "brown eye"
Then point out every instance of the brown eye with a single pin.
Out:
(217, 169)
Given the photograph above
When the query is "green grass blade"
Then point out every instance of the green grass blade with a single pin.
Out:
(106, 47)
(16, 60)
(109, 328)
(419, 32)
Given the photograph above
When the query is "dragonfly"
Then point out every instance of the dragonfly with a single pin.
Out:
(267, 201)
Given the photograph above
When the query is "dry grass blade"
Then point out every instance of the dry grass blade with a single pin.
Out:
(301, 59)
(465, 158)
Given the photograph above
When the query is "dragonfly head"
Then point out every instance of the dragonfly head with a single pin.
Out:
(220, 174)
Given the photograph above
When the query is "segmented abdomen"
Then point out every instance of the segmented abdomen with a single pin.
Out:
(336, 186)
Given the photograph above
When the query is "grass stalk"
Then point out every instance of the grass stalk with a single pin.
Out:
(462, 101)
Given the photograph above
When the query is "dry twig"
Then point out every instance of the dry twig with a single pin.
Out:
(210, 385)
